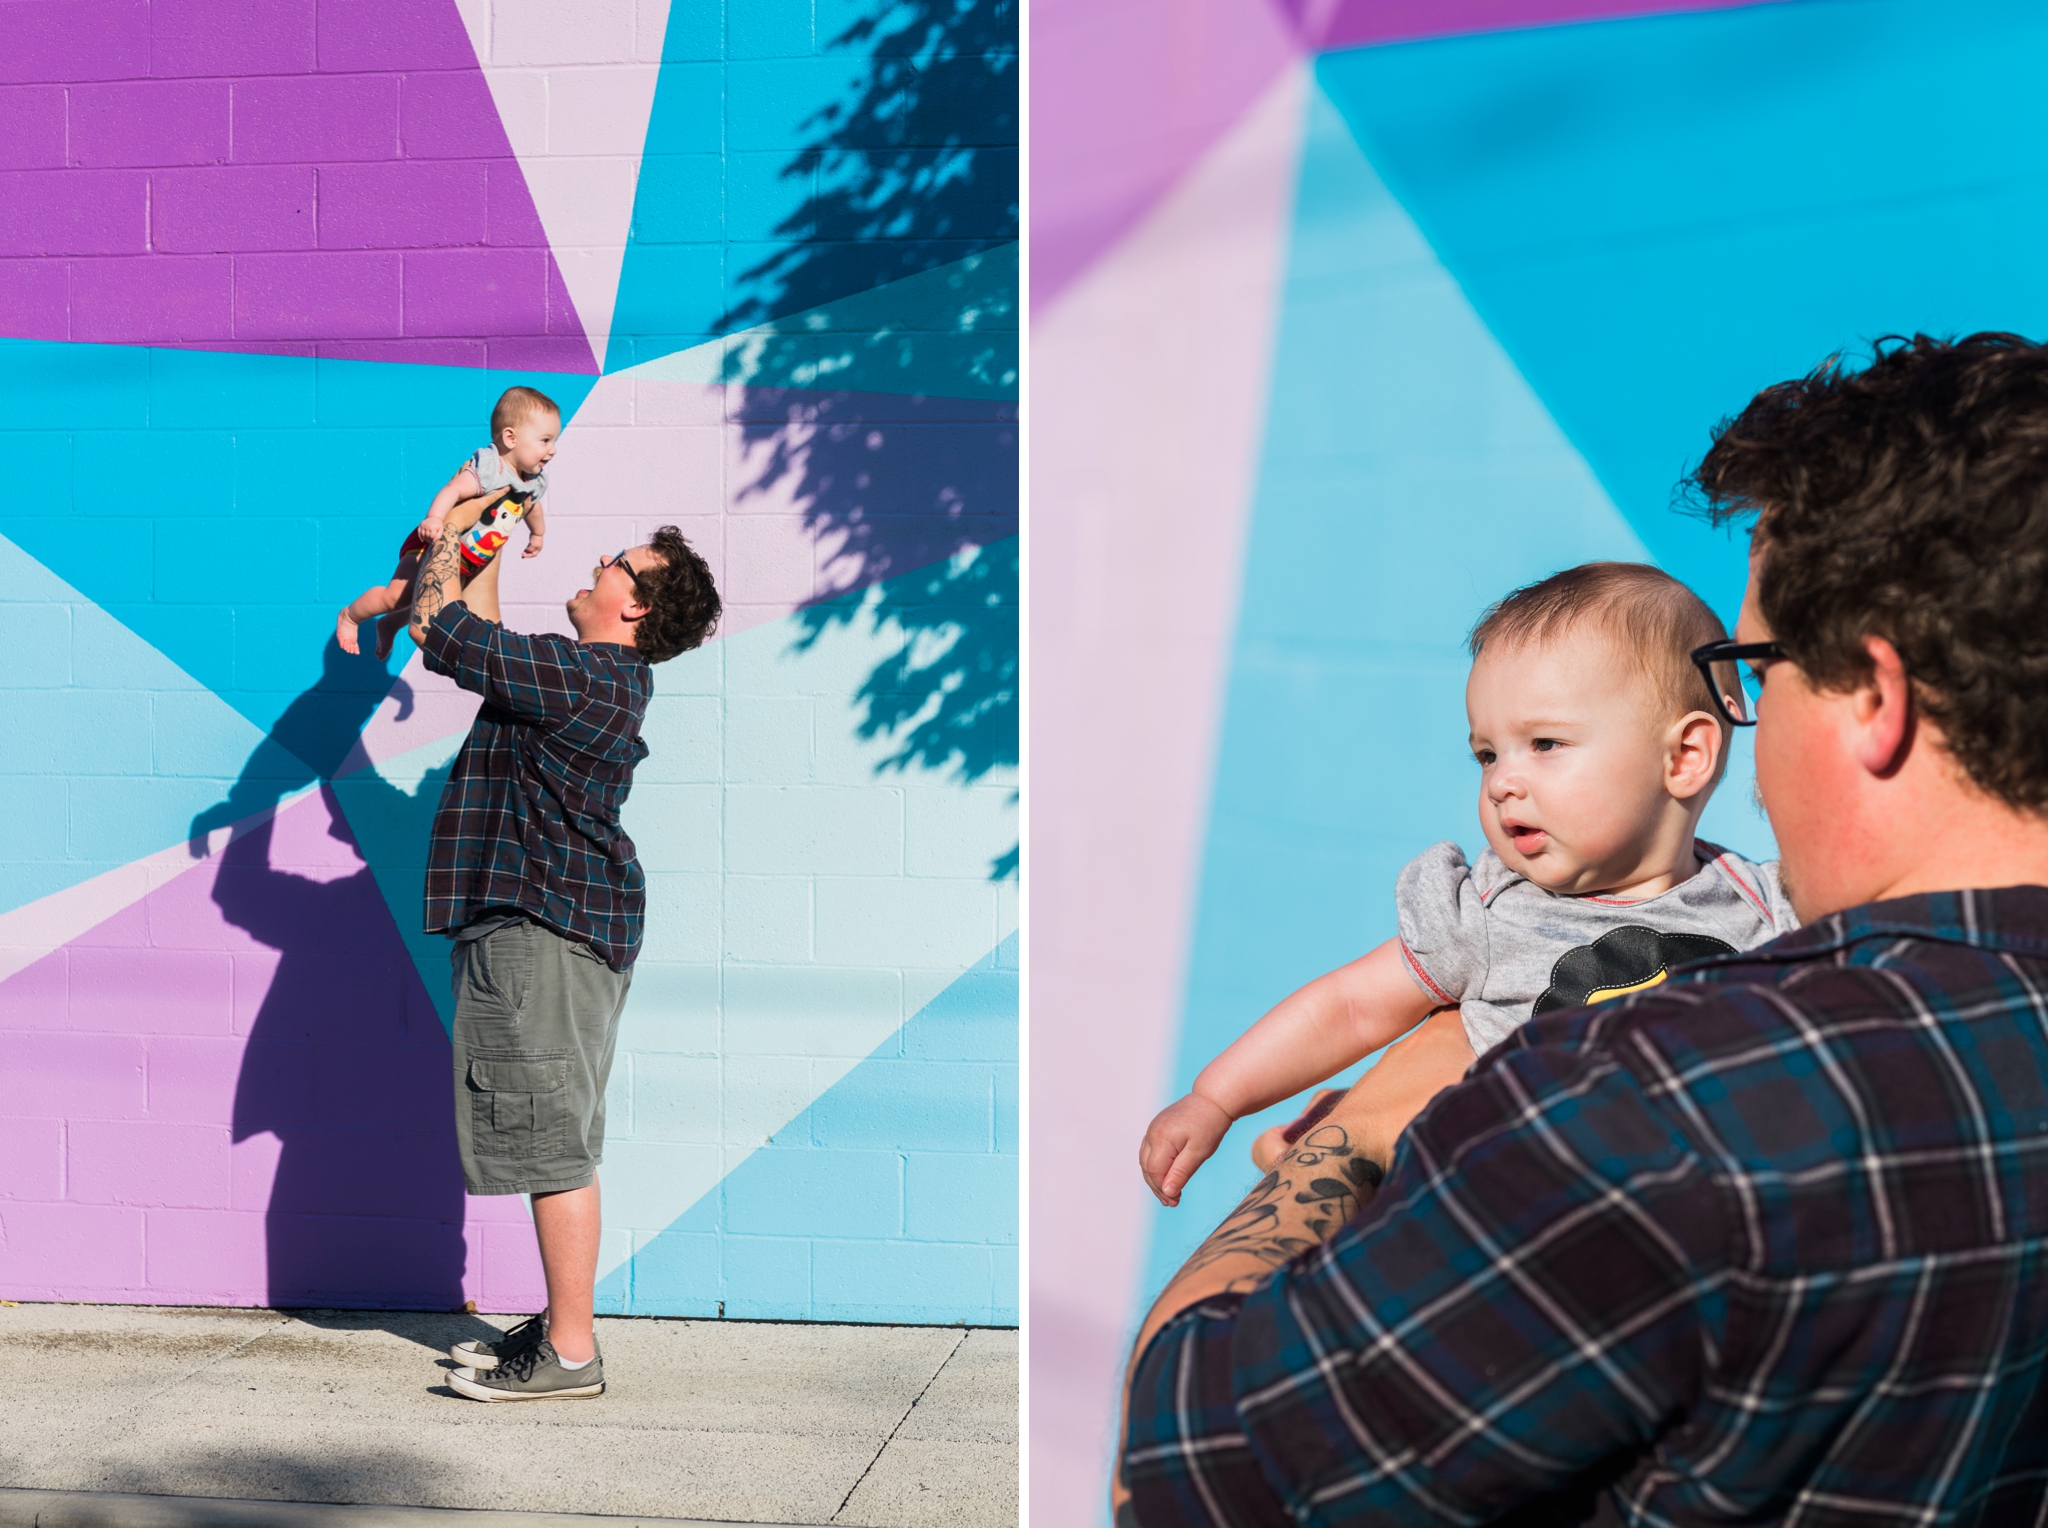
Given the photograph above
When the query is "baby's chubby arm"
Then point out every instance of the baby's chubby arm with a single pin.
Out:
(536, 530)
(1431, 1057)
(463, 485)
(1333, 1022)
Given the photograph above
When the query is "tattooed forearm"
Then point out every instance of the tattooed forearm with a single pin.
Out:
(1321, 1183)
(430, 585)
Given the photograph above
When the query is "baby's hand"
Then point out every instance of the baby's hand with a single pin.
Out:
(430, 528)
(1181, 1137)
(535, 535)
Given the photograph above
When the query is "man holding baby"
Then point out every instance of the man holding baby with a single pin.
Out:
(538, 885)
(1765, 1240)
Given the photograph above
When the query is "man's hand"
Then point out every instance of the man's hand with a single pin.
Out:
(467, 512)
(1181, 1137)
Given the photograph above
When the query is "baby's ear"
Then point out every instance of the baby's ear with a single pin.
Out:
(1699, 746)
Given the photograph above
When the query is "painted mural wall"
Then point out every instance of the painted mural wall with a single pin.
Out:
(1347, 319)
(263, 271)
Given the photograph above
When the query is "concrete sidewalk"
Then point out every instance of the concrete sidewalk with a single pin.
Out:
(740, 1422)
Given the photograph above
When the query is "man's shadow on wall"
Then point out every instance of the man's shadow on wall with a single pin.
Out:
(347, 1064)
(914, 171)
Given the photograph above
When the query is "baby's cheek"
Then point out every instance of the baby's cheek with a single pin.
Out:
(1585, 810)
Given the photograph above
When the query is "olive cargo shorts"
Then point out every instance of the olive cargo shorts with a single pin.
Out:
(536, 1021)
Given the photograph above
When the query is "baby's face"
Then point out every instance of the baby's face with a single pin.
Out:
(530, 444)
(1572, 762)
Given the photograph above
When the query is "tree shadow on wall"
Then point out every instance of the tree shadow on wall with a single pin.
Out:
(889, 416)
(346, 1064)
(913, 171)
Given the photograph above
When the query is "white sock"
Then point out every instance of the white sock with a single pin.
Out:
(568, 1365)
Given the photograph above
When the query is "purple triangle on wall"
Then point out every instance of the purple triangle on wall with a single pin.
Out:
(222, 175)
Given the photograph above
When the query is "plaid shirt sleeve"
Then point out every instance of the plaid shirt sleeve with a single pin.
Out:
(1533, 1294)
(525, 676)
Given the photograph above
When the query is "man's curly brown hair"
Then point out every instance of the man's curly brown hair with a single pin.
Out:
(683, 605)
(1908, 499)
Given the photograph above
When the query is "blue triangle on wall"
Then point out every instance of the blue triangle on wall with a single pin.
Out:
(1659, 216)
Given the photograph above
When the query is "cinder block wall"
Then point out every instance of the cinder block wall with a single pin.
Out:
(263, 274)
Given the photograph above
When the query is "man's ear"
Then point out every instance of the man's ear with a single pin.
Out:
(1881, 710)
(1695, 758)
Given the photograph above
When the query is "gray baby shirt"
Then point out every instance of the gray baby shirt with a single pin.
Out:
(1503, 949)
(493, 473)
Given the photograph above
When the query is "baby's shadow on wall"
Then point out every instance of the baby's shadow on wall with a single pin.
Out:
(346, 1064)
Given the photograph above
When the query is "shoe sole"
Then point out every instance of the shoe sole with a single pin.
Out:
(478, 1392)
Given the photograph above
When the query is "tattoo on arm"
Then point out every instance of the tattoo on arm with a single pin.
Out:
(1310, 1192)
(430, 583)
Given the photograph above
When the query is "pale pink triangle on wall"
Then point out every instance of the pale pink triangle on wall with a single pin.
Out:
(1176, 322)
(330, 180)
(235, 1091)
(574, 82)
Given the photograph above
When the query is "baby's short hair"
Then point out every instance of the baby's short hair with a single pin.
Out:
(516, 405)
(1653, 619)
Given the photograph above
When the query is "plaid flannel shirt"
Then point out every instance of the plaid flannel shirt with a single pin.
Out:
(1766, 1244)
(530, 815)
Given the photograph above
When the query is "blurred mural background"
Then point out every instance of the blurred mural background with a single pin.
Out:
(1348, 317)
(263, 271)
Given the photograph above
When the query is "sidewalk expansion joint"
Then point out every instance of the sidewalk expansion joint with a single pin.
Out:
(941, 1369)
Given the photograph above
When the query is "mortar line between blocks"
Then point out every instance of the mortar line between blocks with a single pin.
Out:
(941, 1369)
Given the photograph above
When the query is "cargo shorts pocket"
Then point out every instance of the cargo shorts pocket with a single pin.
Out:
(518, 1102)
(501, 966)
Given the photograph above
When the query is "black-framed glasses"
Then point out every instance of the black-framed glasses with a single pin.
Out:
(618, 559)
(1734, 675)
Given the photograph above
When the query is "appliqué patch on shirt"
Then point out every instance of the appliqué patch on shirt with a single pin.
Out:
(1624, 960)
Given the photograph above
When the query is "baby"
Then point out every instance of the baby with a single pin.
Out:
(1599, 743)
(491, 492)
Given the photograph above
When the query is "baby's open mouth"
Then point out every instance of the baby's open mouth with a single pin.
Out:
(1528, 840)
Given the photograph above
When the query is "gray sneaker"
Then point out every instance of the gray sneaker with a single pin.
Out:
(531, 1374)
(488, 1355)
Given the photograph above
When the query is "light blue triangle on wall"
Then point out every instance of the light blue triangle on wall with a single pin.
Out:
(945, 333)
(111, 751)
(892, 1197)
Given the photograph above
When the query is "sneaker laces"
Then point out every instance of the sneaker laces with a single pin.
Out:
(524, 1335)
(520, 1365)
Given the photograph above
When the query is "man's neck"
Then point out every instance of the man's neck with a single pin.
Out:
(1980, 845)
(1927, 829)
(618, 633)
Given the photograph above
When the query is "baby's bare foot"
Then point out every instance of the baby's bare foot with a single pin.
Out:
(345, 632)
